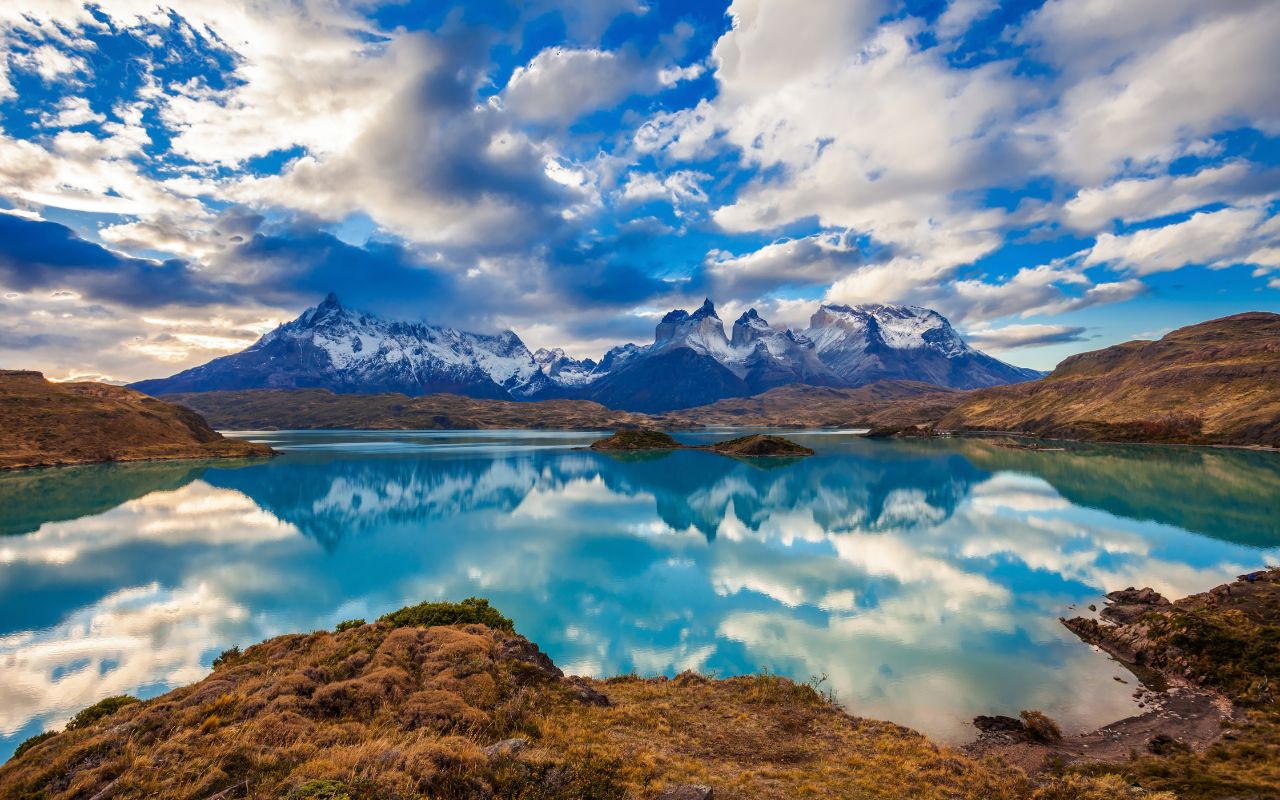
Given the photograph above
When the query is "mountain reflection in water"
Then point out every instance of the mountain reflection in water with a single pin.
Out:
(924, 578)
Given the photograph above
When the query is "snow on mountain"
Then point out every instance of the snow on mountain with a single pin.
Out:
(333, 347)
(690, 361)
(700, 331)
(865, 343)
(563, 370)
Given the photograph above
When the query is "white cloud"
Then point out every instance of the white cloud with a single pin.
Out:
(1158, 103)
(960, 15)
(51, 63)
(1135, 199)
(1218, 239)
(72, 111)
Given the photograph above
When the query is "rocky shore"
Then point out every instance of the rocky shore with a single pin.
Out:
(1207, 673)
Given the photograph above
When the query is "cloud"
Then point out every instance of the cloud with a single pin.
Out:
(960, 15)
(1158, 102)
(560, 84)
(72, 112)
(1012, 337)
(1217, 239)
(809, 261)
(46, 255)
(1135, 199)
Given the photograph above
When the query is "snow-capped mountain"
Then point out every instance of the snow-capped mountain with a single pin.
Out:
(564, 370)
(348, 351)
(690, 362)
(866, 343)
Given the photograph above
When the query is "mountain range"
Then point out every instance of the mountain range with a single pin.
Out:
(691, 362)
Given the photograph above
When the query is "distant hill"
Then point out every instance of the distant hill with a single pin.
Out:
(882, 403)
(1217, 382)
(45, 423)
(691, 361)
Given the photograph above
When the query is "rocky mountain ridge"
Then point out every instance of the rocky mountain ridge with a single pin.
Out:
(692, 361)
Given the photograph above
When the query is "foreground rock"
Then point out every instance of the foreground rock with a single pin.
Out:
(446, 701)
(44, 423)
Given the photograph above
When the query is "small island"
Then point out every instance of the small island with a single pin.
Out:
(756, 445)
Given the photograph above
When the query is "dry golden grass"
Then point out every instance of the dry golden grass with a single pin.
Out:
(387, 712)
(1215, 382)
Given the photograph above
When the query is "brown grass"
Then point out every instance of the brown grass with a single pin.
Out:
(379, 711)
(44, 423)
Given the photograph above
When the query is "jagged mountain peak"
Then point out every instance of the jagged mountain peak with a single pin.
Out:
(690, 361)
(705, 311)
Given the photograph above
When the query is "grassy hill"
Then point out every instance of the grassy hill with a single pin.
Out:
(45, 423)
(1217, 382)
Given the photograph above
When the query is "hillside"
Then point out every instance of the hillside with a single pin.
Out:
(446, 701)
(883, 403)
(878, 404)
(299, 409)
(45, 423)
(1217, 382)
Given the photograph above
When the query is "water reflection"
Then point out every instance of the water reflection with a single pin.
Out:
(925, 578)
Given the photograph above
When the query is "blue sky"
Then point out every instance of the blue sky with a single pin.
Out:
(1053, 176)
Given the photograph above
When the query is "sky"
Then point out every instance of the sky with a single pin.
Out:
(177, 179)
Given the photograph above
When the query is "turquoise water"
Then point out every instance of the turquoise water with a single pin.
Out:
(924, 579)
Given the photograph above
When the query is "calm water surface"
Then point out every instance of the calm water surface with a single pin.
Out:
(924, 579)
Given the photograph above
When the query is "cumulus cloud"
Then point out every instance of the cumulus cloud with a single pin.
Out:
(810, 261)
(1134, 199)
(1217, 239)
(561, 84)
(1157, 103)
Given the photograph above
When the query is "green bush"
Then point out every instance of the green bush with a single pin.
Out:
(32, 742)
(100, 709)
(473, 610)
(348, 624)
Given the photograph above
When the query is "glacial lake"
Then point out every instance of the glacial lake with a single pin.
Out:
(924, 579)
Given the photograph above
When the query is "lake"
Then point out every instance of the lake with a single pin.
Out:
(923, 579)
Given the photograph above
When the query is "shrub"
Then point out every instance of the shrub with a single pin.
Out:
(1162, 744)
(1040, 727)
(472, 611)
(32, 742)
(321, 790)
(228, 656)
(348, 624)
(100, 709)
